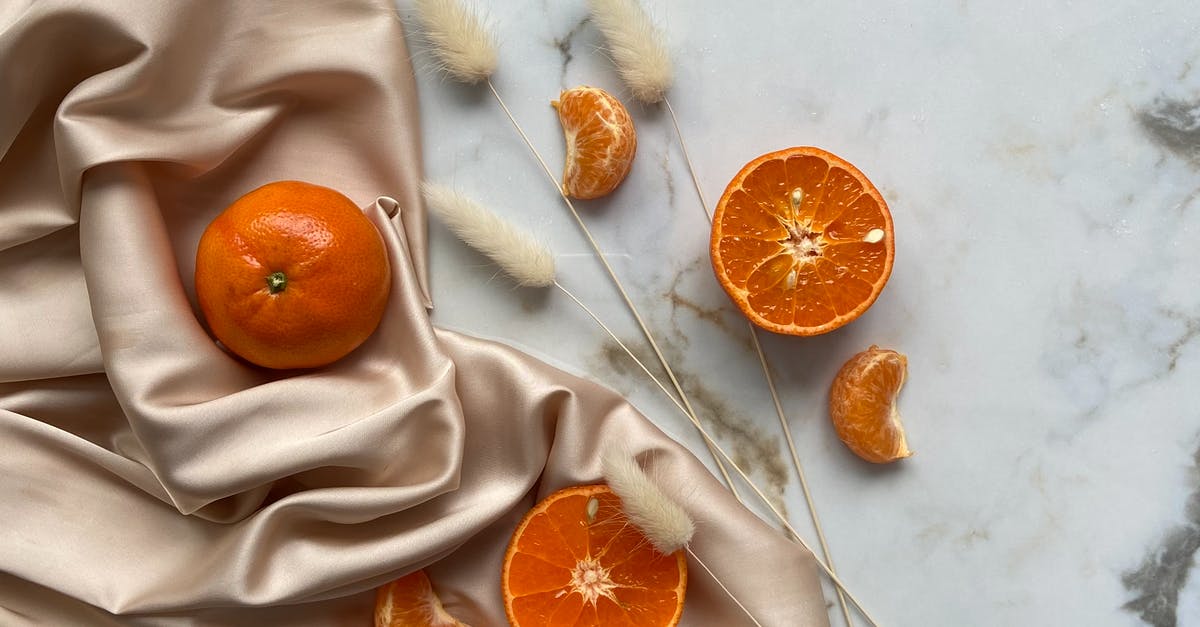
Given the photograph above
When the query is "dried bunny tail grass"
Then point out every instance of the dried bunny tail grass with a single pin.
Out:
(464, 47)
(519, 255)
(657, 515)
(664, 523)
(636, 47)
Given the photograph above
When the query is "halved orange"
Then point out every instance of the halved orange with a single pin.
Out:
(601, 141)
(801, 241)
(862, 405)
(576, 560)
(411, 602)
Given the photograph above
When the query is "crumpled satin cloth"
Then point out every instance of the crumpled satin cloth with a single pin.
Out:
(147, 477)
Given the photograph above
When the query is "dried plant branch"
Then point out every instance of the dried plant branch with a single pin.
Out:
(638, 49)
(439, 202)
(837, 582)
(664, 522)
(519, 255)
(636, 46)
(770, 378)
(464, 47)
(466, 51)
(732, 464)
(668, 527)
(637, 316)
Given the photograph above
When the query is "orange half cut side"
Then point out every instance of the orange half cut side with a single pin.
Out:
(575, 560)
(411, 602)
(802, 242)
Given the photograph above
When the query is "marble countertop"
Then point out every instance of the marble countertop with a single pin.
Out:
(1042, 165)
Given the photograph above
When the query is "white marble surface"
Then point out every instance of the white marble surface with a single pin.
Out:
(1042, 164)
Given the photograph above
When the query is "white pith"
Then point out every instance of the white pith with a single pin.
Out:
(804, 243)
(592, 581)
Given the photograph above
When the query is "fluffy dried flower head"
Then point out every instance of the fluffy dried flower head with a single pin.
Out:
(464, 47)
(636, 47)
(668, 527)
(518, 254)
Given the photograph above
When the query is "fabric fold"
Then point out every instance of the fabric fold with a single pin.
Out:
(149, 477)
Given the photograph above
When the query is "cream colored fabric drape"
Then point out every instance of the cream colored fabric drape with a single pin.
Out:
(148, 478)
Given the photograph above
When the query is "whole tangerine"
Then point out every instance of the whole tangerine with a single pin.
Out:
(292, 275)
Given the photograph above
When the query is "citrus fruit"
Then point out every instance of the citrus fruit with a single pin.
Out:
(411, 602)
(292, 275)
(862, 405)
(801, 241)
(600, 138)
(576, 560)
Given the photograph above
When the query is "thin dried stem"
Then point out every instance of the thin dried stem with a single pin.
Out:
(786, 525)
(660, 518)
(722, 585)
(466, 51)
(787, 434)
(687, 158)
(766, 369)
(712, 444)
(622, 345)
(462, 44)
(617, 282)
(524, 259)
(637, 47)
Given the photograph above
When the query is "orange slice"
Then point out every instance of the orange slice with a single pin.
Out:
(576, 560)
(601, 141)
(801, 241)
(862, 405)
(411, 602)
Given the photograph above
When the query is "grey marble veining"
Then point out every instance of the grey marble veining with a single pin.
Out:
(1160, 579)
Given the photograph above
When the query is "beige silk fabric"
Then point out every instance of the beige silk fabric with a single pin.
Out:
(149, 478)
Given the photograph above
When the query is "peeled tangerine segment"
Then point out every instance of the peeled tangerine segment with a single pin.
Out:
(862, 405)
(600, 141)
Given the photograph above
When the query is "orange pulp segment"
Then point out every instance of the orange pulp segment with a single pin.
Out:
(601, 141)
(411, 602)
